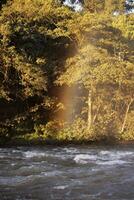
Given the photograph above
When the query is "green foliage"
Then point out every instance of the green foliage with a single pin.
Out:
(125, 24)
(104, 63)
(61, 131)
(76, 131)
(51, 55)
(33, 43)
(109, 6)
(129, 129)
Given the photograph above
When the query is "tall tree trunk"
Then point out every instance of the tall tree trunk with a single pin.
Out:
(96, 114)
(126, 115)
(89, 120)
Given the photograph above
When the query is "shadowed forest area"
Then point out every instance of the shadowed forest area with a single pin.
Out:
(66, 75)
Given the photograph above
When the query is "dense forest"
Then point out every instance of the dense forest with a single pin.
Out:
(66, 74)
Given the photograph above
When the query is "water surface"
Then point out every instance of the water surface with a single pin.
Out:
(67, 173)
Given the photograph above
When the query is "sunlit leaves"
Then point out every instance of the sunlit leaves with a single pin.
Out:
(126, 25)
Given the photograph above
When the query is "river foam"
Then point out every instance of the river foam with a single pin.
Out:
(84, 158)
(31, 154)
(104, 158)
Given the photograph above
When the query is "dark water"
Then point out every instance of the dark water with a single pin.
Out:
(67, 173)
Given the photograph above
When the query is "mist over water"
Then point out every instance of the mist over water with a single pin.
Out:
(82, 173)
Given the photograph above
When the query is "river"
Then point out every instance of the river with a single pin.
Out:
(67, 173)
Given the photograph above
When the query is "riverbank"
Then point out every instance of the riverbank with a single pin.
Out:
(50, 142)
(22, 142)
(64, 137)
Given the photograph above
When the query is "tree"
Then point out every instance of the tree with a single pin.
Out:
(2, 2)
(94, 5)
(102, 67)
(33, 44)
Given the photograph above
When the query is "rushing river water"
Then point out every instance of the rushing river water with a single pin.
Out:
(67, 173)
